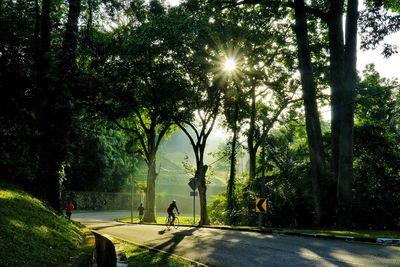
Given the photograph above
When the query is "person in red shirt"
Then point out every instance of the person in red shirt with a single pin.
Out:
(68, 209)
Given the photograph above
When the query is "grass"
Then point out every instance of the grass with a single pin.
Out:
(138, 256)
(183, 220)
(33, 235)
(354, 233)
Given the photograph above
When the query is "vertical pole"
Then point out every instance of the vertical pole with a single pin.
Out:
(194, 207)
(131, 200)
(262, 183)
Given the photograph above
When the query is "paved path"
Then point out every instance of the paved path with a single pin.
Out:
(215, 247)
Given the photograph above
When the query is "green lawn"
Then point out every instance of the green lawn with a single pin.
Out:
(138, 256)
(162, 220)
(32, 235)
(354, 233)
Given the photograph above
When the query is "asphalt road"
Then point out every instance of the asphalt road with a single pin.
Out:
(216, 247)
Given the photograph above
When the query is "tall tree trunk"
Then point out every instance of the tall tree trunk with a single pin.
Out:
(336, 47)
(263, 193)
(314, 136)
(231, 201)
(56, 113)
(150, 204)
(71, 40)
(252, 164)
(44, 46)
(201, 176)
(250, 138)
(36, 34)
(47, 185)
(90, 17)
(199, 146)
(150, 201)
(345, 171)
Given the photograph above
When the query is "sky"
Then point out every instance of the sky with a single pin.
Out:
(388, 68)
(173, 2)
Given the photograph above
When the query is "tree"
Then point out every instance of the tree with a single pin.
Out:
(153, 90)
(99, 157)
(314, 136)
(376, 23)
(18, 125)
(342, 57)
(56, 109)
(376, 152)
(207, 111)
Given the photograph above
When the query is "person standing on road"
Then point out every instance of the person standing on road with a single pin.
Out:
(68, 209)
(141, 210)
(170, 211)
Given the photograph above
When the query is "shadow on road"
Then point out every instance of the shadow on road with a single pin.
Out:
(106, 226)
(171, 244)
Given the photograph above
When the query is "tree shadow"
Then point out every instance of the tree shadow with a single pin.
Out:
(106, 226)
(297, 251)
(177, 237)
(234, 248)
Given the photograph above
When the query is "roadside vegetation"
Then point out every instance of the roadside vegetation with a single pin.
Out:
(337, 232)
(183, 220)
(33, 235)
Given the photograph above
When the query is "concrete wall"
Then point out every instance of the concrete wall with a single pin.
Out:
(105, 251)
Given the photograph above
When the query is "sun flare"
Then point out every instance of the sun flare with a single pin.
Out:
(230, 64)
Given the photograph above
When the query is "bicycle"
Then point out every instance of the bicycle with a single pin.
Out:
(169, 222)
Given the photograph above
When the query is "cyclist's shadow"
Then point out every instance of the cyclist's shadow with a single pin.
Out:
(171, 243)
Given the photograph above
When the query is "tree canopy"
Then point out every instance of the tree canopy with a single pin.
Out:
(90, 90)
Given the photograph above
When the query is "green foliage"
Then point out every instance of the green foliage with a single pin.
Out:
(33, 235)
(393, 5)
(376, 153)
(376, 175)
(216, 209)
(378, 21)
(287, 182)
(17, 103)
(99, 160)
(243, 213)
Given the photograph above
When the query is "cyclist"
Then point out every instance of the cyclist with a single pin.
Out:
(170, 211)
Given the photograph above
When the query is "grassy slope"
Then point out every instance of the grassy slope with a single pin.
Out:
(31, 234)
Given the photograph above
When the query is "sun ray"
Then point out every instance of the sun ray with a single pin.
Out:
(230, 64)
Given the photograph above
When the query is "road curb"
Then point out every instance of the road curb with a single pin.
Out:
(379, 240)
(104, 244)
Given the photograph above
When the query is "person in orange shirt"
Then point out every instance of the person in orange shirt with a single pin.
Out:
(68, 209)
